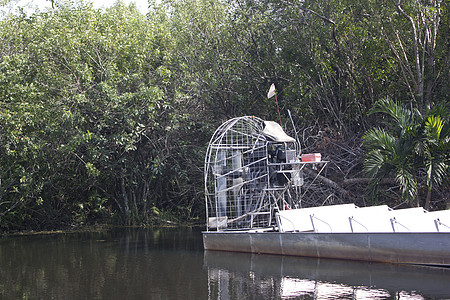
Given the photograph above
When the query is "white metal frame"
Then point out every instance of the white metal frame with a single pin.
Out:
(249, 176)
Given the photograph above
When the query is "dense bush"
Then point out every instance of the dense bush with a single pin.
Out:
(105, 114)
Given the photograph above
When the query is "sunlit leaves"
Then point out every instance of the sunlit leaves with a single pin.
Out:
(433, 126)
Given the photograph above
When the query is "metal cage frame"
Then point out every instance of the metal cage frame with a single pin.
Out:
(249, 176)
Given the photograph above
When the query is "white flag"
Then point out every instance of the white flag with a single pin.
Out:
(271, 92)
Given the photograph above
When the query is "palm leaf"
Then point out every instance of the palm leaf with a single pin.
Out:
(404, 118)
(379, 139)
(415, 148)
(433, 127)
(407, 182)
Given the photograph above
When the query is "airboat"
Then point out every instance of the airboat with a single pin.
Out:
(256, 178)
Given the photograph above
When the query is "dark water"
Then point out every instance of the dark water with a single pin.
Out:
(169, 263)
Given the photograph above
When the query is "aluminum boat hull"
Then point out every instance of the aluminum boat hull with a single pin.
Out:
(426, 248)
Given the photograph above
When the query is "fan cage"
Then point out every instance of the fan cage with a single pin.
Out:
(248, 176)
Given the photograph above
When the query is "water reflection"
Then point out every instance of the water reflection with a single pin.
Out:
(169, 263)
(239, 276)
(163, 263)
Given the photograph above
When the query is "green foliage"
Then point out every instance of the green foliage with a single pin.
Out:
(105, 114)
(85, 114)
(414, 149)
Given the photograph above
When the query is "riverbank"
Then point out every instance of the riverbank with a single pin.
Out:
(94, 228)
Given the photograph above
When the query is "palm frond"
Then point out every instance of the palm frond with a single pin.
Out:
(440, 109)
(414, 149)
(373, 163)
(437, 172)
(407, 182)
(404, 118)
(433, 127)
(379, 139)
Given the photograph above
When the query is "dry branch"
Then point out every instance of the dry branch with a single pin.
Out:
(350, 181)
(344, 193)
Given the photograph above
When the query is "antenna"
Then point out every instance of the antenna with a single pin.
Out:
(295, 131)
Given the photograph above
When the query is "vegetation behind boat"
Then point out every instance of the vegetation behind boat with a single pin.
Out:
(105, 115)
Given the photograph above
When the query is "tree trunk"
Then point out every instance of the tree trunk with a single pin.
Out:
(344, 193)
(136, 218)
(428, 199)
(126, 208)
(145, 200)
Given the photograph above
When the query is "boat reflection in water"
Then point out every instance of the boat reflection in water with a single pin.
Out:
(243, 276)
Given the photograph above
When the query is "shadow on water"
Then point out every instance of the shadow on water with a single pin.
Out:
(169, 263)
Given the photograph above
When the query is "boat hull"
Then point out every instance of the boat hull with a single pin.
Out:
(403, 247)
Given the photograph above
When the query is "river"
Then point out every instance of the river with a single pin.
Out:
(169, 263)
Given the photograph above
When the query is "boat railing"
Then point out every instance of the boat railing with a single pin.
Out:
(394, 221)
(313, 225)
(352, 219)
(438, 223)
(279, 225)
